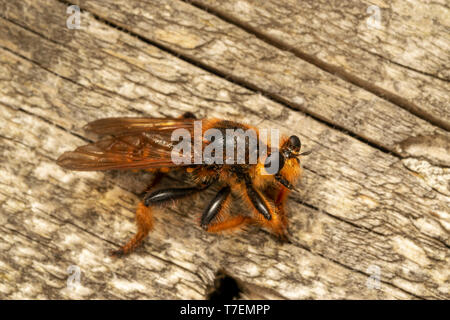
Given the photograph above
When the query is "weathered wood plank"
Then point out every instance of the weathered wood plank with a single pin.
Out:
(365, 213)
(241, 56)
(406, 56)
(68, 219)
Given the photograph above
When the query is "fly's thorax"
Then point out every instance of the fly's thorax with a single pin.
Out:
(230, 143)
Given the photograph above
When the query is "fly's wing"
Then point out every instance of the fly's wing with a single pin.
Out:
(137, 143)
(118, 126)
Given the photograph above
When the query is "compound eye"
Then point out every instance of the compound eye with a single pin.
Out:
(295, 143)
(274, 163)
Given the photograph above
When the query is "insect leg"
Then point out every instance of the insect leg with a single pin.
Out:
(165, 195)
(144, 218)
(227, 224)
(267, 215)
(280, 200)
(258, 201)
(215, 207)
(144, 221)
(284, 181)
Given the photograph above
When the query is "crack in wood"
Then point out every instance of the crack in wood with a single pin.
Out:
(239, 81)
(327, 67)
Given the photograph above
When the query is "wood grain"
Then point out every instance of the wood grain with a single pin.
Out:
(405, 57)
(358, 206)
(228, 50)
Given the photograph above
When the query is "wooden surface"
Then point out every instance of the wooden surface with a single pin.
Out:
(375, 192)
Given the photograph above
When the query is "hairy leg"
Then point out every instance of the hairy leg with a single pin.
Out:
(280, 201)
(215, 207)
(144, 219)
(259, 205)
(228, 224)
(144, 222)
(265, 214)
(215, 212)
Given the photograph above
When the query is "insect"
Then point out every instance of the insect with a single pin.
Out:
(146, 143)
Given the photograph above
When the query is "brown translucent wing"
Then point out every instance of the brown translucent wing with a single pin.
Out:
(118, 126)
(137, 143)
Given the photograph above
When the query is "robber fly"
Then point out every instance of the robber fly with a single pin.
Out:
(147, 143)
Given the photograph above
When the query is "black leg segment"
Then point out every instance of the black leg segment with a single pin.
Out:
(215, 206)
(284, 182)
(258, 202)
(164, 195)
